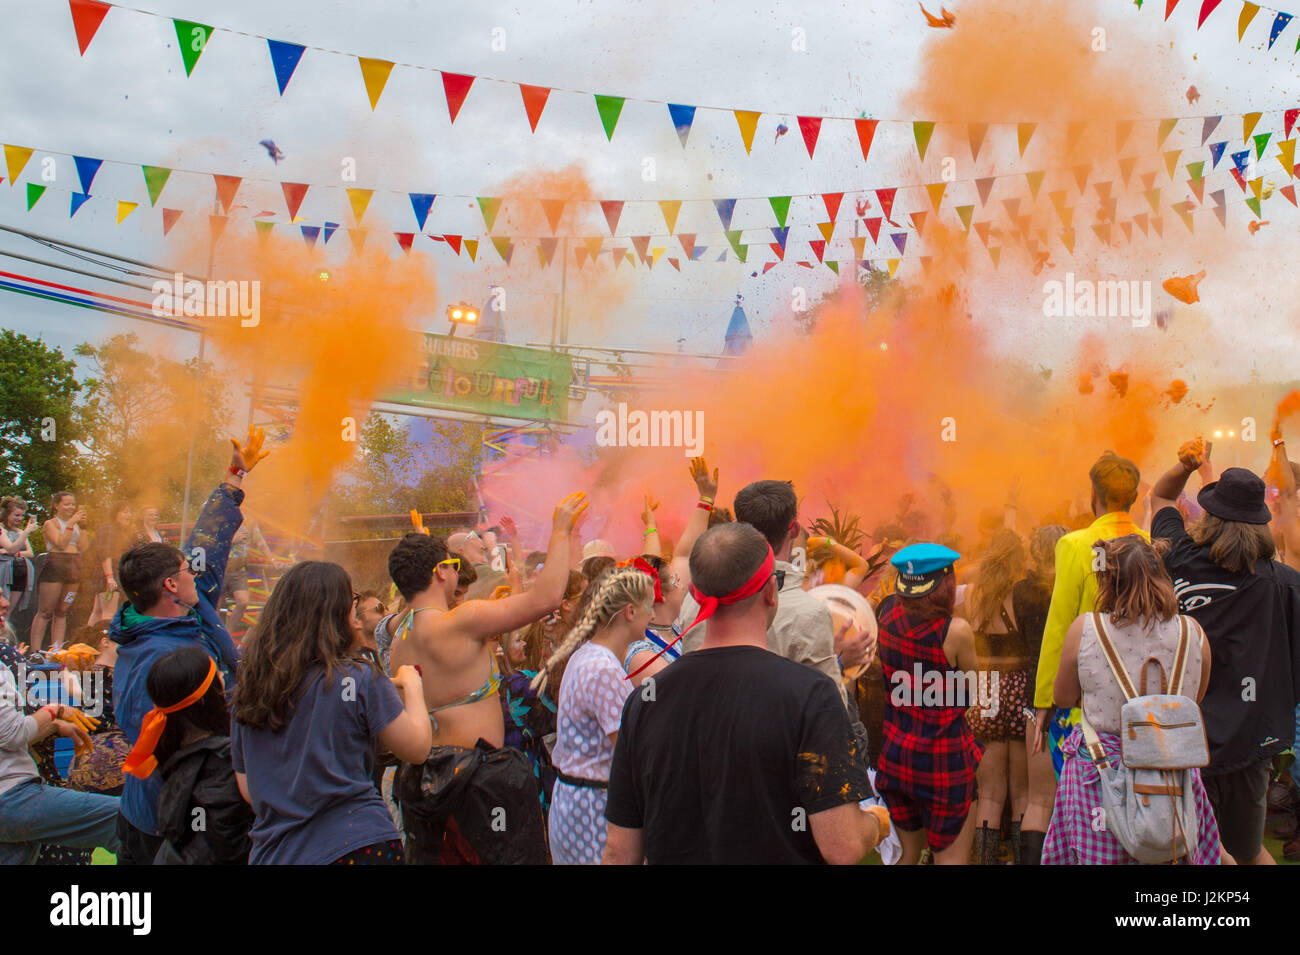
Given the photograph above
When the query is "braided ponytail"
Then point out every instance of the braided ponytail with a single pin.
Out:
(613, 590)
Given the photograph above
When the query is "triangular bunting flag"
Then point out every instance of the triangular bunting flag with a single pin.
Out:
(293, 196)
(1248, 11)
(734, 238)
(546, 251)
(1141, 220)
(1288, 119)
(404, 239)
(1148, 180)
(780, 234)
(747, 120)
(171, 215)
(489, 206)
(1126, 168)
(1171, 161)
(330, 229)
(670, 208)
(1198, 188)
(1257, 186)
(374, 73)
(1158, 226)
(1103, 232)
(1286, 156)
(124, 209)
(1207, 7)
(1248, 123)
(977, 132)
(284, 60)
(1253, 204)
(1185, 214)
(216, 226)
(593, 246)
(682, 117)
(421, 202)
(311, 233)
(964, 213)
(893, 266)
(15, 159)
(866, 133)
(918, 223)
(613, 208)
(678, 266)
(580, 253)
(453, 241)
(1261, 142)
(1162, 132)
(688, 244)
(1208, 126)
(1241, 160)
(86, 169)
(873, 227)
(1081, 176)
(1067, 240)
(781, 207)
(886, 199)
(155, 177)
(1103, 190)
(554, 210)
(642, 242)
(725, 208)
(859, 242)
(1058, 202)
(1239, 178)
(826, 229)
(1153, 199)
(471, 249)
(1169, 8)
(936, 190)
(456, 86)
(359, 199)
(922, 132)
(1035, 179)
(1289, 191)
(834, 267)
(1196, 170)
(34, 193)
(1012, 207)
(1216, 153)
(78, 200)
(227, 186)
(1279, 24)
(832, 202)
(1221, 213)
(1122, 130)
(264, 230)
(981, 230)
(984, 186)
(1127, 228)
(192, 38)
(1024, 133)
(810, 126)
(534, 102)
(818, 247)
(995, 253)
(502, 245)
(655, 254)
(87, 15)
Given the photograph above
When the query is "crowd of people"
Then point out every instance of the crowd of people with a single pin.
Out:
(695, 702)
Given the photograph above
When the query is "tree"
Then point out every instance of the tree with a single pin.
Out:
(139, 415)
(38, 420)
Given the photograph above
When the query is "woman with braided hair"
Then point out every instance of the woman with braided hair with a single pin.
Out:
(591, 705)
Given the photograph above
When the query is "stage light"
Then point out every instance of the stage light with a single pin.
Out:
(462, 314)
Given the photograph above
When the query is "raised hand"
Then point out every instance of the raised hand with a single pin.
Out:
(31, 524)
(246, 456)
(508, 525)
(648, 511)
(417, 522)
(569, 512)
(1192, 454)
(707, 485)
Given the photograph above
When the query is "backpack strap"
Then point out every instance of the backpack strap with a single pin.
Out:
(1180, 657)
(1142, 681)
(1116, 664)
(1091, 742)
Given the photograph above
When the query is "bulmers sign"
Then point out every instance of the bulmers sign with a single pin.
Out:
(465, 374)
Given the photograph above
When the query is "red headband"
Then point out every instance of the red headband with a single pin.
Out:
(643, 565)
(709, 605)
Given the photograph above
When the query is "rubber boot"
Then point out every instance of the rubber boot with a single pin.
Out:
(1031, 846)
(1015, 843)
(986, 846)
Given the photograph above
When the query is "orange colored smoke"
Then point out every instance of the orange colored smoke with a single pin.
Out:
(1288, 406)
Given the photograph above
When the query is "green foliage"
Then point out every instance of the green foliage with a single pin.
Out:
(38, 387)
(842, 528)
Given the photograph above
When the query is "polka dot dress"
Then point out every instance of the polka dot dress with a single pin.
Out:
(591, 703)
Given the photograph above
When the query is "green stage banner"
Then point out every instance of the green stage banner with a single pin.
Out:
(466, 374)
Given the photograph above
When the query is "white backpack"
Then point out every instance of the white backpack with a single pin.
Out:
(1149, 801)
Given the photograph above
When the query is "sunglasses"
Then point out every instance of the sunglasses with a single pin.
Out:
(357, 598)
(780, 579)
(451, 562)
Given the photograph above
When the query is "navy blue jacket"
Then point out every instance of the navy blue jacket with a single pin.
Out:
(141, 640)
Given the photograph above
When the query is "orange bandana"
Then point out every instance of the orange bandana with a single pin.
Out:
(140, 762)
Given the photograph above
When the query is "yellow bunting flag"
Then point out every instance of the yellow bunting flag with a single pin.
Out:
(747, 120)
(124, 209)
(360, 199)
(593, 246)
(554, 209)
(375, 74)
(922, 131)
(656, 253)
(893, 266)
(670, 208)
(1025, 132)
(1286, 156)
(1162, 133)
(826, 229)
(1248, 11)
(859, 243)
(935, 189)
(1058, 200)
(1248, 121)
(358, 237)
(1257, 185)
(471, 246)
(1035, 179)
(15, 159)
(1171, 161)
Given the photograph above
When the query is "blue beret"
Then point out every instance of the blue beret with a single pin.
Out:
(921, 567)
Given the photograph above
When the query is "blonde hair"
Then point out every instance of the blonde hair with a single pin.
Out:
(615, 589)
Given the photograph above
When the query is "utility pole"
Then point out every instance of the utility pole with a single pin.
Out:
(194, 408)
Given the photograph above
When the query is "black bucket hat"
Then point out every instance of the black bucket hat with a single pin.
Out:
(1238, 495)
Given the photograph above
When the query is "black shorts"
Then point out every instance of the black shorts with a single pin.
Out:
(1240, 800)
(62, 569)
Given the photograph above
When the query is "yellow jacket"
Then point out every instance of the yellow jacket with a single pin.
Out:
(1074, 593)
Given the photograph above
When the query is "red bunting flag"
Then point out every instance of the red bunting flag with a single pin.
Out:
(293, 196)
(227, 186)
(456, 86)
(613, 208)
(866, 132)
(1169, 9)
(1206, 9)
(832, 201)
(534, 102)
(873, 226)
(554, 209)
(87, 15)
(404, 239)
(1289, 191)
(818, 247)
(886, 199)
(169, 218)
(687, 239)
(811, 127)
(451, 240)
(1288, 120)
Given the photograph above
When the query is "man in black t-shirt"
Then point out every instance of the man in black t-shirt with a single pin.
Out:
(734, 754)
(1249, 606)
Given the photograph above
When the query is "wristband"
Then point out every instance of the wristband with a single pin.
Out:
(1278, 443)
(56, 712)
(703, 506)
(706, 499)
(649, 531)
(237, 472)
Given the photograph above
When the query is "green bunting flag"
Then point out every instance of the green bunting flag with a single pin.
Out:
(155, 177)
(192, 38)
(609, 108)
(34, 192)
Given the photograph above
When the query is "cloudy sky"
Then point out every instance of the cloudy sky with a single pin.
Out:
(129, 99)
